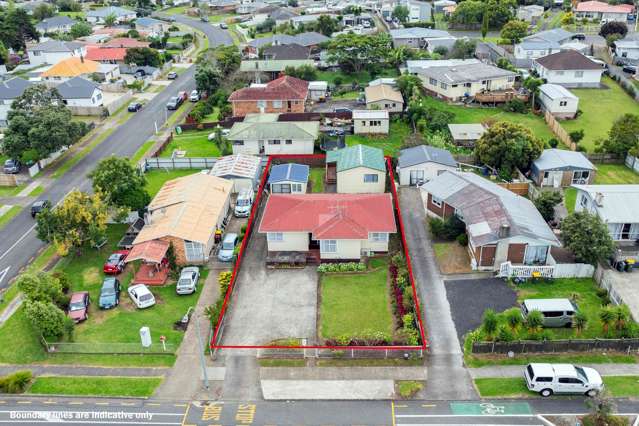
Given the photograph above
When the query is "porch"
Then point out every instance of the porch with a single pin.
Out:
(292, 259)
(154, 268)
(500, 96)
(151, 274)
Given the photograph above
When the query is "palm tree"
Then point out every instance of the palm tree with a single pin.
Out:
(579, 322)
(620, 317)
(110, 19)
(534, 322)
(513, 318)
(606, 316)
(532, 84)
(409, 86)
(489, 323)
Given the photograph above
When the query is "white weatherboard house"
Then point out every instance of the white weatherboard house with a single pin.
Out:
(371, 122)
(542, 44)
(356, 169)
(558, 100)
(616, 205)
(569, 68)
(627, 49)
(422, 163)
(80, 92)
(53, 51)
(422, 38)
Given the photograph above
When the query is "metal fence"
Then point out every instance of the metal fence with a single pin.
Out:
(554, 346)
(178, 163)
(108, 348)
(335, 353)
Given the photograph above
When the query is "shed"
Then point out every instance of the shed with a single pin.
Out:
(371, 122)
(288, 178)
(317, 90)
(422, 163)
(244, 170)
(384, 96)
(558, 100)
(466, 134)
(559, 167)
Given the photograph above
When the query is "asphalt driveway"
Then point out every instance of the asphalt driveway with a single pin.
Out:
(470, 298)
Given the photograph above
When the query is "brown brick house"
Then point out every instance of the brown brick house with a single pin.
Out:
(284, 94)
(501, 225)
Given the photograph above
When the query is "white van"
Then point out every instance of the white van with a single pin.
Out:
(556, 312)
(244, 203)
(547, 379)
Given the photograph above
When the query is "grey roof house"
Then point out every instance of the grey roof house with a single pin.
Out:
(78, 91)
(542, 43)
(466, 134)
(55, 24)
(9, 90)
(419, 164)
(53, 51)
(121, 14)
(286, 52)
(562, 168)
(422, 38)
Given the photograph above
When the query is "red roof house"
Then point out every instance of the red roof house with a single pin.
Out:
(339, 226)
(284, 94)
(107, 55)
(126, 43)
(603, 11)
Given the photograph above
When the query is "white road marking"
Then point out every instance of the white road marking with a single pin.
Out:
(4, 273)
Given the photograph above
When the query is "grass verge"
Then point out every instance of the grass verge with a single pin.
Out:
(142, 151)
(95, 386)
(37, 191)
(10, 214)
(515, 387)
(408, 388)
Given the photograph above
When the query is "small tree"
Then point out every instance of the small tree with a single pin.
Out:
(46, 318)
(110, 20)
(514, 31)
(40, 287)
(122, 185)
(401, 13)
(485, 23)
(587, 237)
(613, 27)
(490, 323)
(546, 203)
(171, 259)
(621, 317)
(80, 29)
(601, 408)
(623, 136)
(606, 317)
(513, 319)
(534, 322)
(580, 321)
(576, 135)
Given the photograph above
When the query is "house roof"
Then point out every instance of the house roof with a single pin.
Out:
(561, 159)
(283, 88)
(289, 51)
(147, 22)
(486, 207)
(601, 7)
(11, 89)
(187, 208)
(329, 216)
(555, 91)
(238, 165)
(290, 172)
(306, 39)
(425, 154)
(110, 10)
(273, 65)
(472, 131)
(627, 43)
(77, 88)
(556, 35)
(357, 156)
(56, 46)
(619, 203)
(295, 130)
(54, 22)
(106, 54)
(151, 251)
(72, 67)
(382, 92)
(567, 60)
(415, 66)
(380, 114)
(465, 73)
(419, 32)
(126, 42)
(282, 14)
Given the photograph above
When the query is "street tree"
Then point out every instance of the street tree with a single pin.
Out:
(17, 28)
(39, 287)
(46, 318)
(507, 146)
(587, 237)
(400, 13)
(121, 184)
(623, 137)
(514, 30)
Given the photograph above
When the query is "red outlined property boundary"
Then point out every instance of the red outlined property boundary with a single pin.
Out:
(249, 228)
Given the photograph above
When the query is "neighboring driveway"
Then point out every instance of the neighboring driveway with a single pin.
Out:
(330, 106)
(470, 298)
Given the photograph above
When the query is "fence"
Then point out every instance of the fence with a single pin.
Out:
(334, 353)
(558, 270)
(178, 163)
(519, 188)
(553, 346)
(605, 278)
(632, 162)
(8, 180)
(559, 131)
(604, 158)
(108, 348)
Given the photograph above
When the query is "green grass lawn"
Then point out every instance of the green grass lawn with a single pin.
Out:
(156, 178)
(615, 174)
(11, 191)
(10, 214)
(391, 143)
(142, 150)
(317, 179)
(214, 116)
(476, 361)
(465, 115)
(570, 198)
(600, 107)
(95, 386)
(362, 77)
(195, 143)
(355, 304)
(515, 387)
(350, 95)
(36, 191)
(178, 10)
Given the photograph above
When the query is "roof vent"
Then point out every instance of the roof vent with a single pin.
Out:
(599, 199)
(504, 230)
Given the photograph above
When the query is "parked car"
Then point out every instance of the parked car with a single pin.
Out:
(182, 95)
(173, 103)
(115, 263)
(187, 284)
(579, 36)
(342, 110)
(556, 312)
(632, 69)
(141, 296)
(213, 135)
(172, 75)
(204, 18)
(228, 247)
(548, 379)
(109, 293)
(38, 206)
(12, 166)
(224, 26)
(171, 19)
(244, 203)
(134, 107)
(79, 306)
(366, 24)
(195, 96)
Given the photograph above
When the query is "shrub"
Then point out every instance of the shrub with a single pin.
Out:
(513, 319)
(516, 105)
(534, 321)
(436, 226)
(462, 239)
(409, 330)
(46, 318)
(341, 267)
(489, 323)
(553, 142)
(504, 334)
(408, 388)
(16, 382)
(224, 280)
(448, 229)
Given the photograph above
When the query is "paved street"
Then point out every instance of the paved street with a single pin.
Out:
(18, 241)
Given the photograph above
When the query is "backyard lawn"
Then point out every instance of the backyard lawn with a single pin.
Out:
(600, 108)
(509, 387)
(362, 77)
(156, 178)
(95, 386)
(391, 143)
(355, 304)
(570, 198)
(316, 178)
(615, 174)
(195, 143)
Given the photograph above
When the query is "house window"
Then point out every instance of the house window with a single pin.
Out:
(459, 214)
(261, 104)
(455, 85)
(436, 201)
(36, 53)
(289, 142)
(559, 72)
(580, 177)
(511, 79)
(277, 104)
(363, 122)
(563, 103)
(297, 187)
(444, 86)
(328, 246)
(275, 236)
(274, 142)
(579, 74)
(484, 82)
(374, 123)
(193, 251)
(467, 84)
(238, 143)
(371, 178)
(432, 82)
(378, 237)
(281, 188)
(583, 201)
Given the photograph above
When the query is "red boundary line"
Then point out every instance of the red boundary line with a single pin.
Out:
(249, 227)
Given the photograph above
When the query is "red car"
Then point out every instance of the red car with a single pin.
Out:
(115, 263)
(79, 306)
(183, 95)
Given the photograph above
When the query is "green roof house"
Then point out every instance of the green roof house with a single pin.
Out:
(358, 169)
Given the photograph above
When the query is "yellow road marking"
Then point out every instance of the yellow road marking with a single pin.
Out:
(429, 405)
(180, 405)
(393, 412)
(186, 413)
(24, 402)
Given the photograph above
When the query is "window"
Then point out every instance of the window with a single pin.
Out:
(274, 236)
(277, 104)
(459, 214)
(281, 188)
(374, 123)
(511, 79)
(544, 379)
(563, 103)
(570, 380)
(432, 82)
(484, 82)
(455, 85)
(583, 201)
(297, 187)
(554, 314)
(261, 104)
(579, 74)
(328, 246)
(444, 86)
(193, 251)
(580, 177)
(371, 178)
(238, 143)
(274, 142)
(467, 84)
(99, 96)
(436, 201)
(289, 142)
(36, 53)
(378, 237)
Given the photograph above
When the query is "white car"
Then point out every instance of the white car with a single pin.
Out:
(547, 379)
(195, 96)
(187, 284)
(141, 296)
(225, 132)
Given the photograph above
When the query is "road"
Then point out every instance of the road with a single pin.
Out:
(88, 411)
(18, 241)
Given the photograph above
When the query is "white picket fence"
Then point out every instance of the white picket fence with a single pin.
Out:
(559, 270)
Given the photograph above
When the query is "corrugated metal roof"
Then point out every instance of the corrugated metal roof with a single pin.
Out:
(382, 92)
(357, 156)
(295, 130)
(238, 165)
(425, 154)
(560, 159)
(290, 172)
(381, 114)
(619, 203)
(555, 91)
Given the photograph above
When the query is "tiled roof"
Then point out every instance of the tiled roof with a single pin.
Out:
(283, 88)
(329, 216)
(357, 156)
(126, 42)
(106, 54)
(601, 7)
(567, 60)
(72, 67)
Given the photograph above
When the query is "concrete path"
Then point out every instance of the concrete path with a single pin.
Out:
(447, 378)
(328, 389)
(242, 378)
(342, 373)
(517, 370)
(71, 370)
(11, 308)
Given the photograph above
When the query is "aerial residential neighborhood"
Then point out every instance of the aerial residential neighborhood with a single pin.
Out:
(293, 212)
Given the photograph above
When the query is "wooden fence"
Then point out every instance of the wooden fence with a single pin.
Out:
(553, 346)
(559, 131)
(8, 180)
(519, 188)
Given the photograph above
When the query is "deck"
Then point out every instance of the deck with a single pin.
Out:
(500, 96)
(331, 174)
(149, 274)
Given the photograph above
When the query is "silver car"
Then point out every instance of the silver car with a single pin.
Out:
(187, 284)
(556, 312)
(228, 247)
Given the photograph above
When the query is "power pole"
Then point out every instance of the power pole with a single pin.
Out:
(201, 351)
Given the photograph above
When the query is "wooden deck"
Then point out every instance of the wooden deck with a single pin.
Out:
(149, 274)
(500, 96)
(331, 174)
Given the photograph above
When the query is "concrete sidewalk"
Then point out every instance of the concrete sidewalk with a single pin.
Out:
(341, 373)
(517, 370)
(71, 370)
(328, 389)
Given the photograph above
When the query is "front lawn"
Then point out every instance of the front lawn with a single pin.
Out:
(95, 386)
(316, 178)
(515, 387)
(355, 304)
(615, 174)
(195, 143)
(156, 178)
(391, 143)
(600, 108)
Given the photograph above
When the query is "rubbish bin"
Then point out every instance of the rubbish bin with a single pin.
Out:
(621, 265)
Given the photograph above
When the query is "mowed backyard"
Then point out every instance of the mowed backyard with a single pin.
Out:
(193, 144)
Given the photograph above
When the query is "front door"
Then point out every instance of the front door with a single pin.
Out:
(625, 231)
(416, 176)
(260, 146)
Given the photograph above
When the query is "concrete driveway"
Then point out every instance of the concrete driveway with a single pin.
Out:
(270, 304)
(330, 106)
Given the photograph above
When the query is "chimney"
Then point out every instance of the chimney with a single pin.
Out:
(599, 199)
(81, 58)
(504, 230)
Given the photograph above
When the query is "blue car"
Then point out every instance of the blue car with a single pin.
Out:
(109, 293)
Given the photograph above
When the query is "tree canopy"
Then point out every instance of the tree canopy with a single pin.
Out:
(355, 52)
(143, 56)
(81, 29)
(587, 237)
(514, 30)
(471, 12)
(613, 27)
(327, 25)
(120, 184)
(16, 29)
(400, 12)
(623, 137)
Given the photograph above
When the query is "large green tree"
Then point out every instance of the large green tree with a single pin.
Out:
(507, 146)
(121, 184)
(43, 11)
(46, 318)
(623, 136)
(17, 28)
(514, 30)
(546, 203)
(400, 12)
(143, 56)
(207, 78)
(327, 25)
(81, 29)
(355, 52)
(471, 12)
(587, 237)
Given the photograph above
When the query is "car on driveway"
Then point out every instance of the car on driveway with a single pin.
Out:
(195, 96)
(141, 296)
(224, 26)
(109, 293)
(547, 379)
(115, 263)
(38, 206)
(172, 75)
(187, 284)
(632, 69)
(228, 247)
(174, 103)
(79, 306)
(134, 107)
(12, 166)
